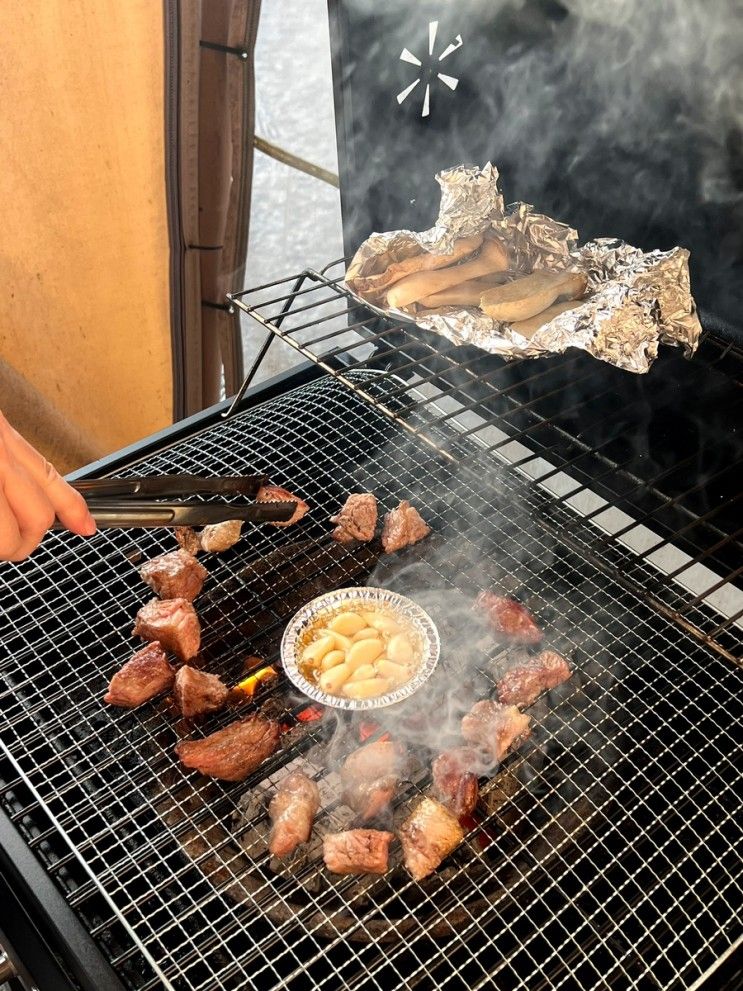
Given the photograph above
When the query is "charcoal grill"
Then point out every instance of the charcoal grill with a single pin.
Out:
(605, 854)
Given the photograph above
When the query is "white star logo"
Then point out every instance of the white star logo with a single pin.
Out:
(450, 81)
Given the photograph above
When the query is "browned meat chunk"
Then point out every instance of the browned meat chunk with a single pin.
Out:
(198, 693)
(177, 575)
(523, 683)
(357, 851)
(174, 623)
(403, 526)
(188, 539)
(232, 753)
(274, 493)
(369, 777)
(509, 618)
(454, 783)
(357, 520)
(428, 836)
(144, 676)
(291, 811)
(494, 727)
(218, 537)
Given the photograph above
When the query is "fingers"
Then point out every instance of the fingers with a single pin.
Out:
(33, 512)
(10, 535)
(32, 494)
(67, 503)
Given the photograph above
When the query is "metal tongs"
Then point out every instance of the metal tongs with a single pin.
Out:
(135, 502)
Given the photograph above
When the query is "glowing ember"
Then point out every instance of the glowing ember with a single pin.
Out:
(470, 823)
(368, 728)
(311, 713)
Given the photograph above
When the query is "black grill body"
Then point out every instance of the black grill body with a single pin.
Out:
(607, 856)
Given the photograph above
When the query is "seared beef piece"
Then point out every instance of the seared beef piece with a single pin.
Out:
(495, 728)
(144, 676)
(218, 537)
(198, 693)
(274, 493)
(523, 683)
(357, 520)
(232, 753)
(454, 783)
(174, 623)
(357, 851)
(403, 526)
(291, 811)
(177, 575)
(428, 836)
(509, 618)
(188, 538)
(369, 777)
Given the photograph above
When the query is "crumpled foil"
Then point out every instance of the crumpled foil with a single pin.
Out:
(635, 299)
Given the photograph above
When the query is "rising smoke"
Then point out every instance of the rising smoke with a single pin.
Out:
(485, 536)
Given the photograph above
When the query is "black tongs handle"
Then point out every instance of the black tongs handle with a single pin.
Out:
(163, 486)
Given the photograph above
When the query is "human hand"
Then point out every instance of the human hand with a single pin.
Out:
(32, 495)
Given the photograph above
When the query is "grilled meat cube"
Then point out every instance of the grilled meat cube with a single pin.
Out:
(509, 618)
(177, 575)
(144, 676)
(232, 753)
(188, 539)
(454, 783)
(403, 526)
(174, 623)
(357, 851)
(494, 727)
(214, 538)
(198, 693)
(369, 777)
(428, 836)
(291, 811)
(357, 520)
(274, 493)
(218, 537)
(525, 681)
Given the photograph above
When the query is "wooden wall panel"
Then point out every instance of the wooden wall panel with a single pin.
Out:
(84, 298)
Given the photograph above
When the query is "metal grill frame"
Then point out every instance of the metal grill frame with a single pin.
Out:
(88, 853)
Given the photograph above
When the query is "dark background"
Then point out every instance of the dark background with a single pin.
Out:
(621, 118)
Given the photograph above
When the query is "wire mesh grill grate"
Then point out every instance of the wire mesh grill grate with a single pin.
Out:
(605, 854)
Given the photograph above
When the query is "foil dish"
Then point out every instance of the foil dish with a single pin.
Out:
(368, 598)
(635, 300)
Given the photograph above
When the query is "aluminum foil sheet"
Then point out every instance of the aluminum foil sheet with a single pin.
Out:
(366, 598)
(635, 299)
